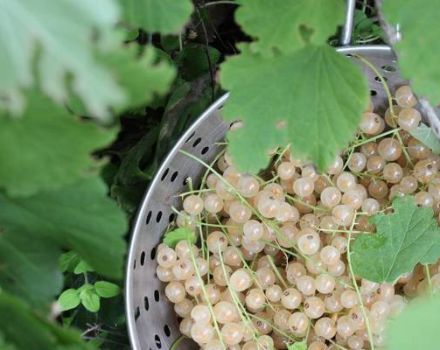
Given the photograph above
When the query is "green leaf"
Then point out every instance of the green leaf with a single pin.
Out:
(171, 238)
(424, 134)
(79, 217)
(89, 299)
(312, 99)
(408, 236)
(82, 267)
(164, 16)
(47, 148)
(69, 299)
(27, 330)
(416, 327)
(68, 261)
(195, 60)
(63, 33)
(29, 266)
(141, 75)
(286, 25)
(419, 40)
(106, 289)
(297, 346)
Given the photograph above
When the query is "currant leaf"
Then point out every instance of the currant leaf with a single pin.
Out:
(63, 32)
(422, 315)
(171, 238)
(424, 134)
(27, 329)
(408, 236)
(164, 16)
(315, 104)
(298, 22)
(419, 39)
(47, 148)
(79, 217)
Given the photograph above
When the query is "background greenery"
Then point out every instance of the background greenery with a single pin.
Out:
(94, 93)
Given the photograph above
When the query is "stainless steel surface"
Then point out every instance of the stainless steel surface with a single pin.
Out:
(347, 30)
(152, 322)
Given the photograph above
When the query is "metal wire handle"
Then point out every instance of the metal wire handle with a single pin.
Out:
(347, 30)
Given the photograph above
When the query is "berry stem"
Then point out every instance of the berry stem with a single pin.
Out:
(353, 278)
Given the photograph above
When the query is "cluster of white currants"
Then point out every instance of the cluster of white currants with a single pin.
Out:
(271, 265)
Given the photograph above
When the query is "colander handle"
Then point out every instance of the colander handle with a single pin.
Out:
(347, 30)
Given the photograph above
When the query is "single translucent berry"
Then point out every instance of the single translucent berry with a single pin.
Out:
(193, 205)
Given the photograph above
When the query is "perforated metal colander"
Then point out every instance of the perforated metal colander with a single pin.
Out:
(152, 323)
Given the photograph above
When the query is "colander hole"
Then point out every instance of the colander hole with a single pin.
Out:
(156, 295)
(171, 217)
(146, 303)
(166, 330)
(174, 176)
(373, 92)
(153, 253)
(197, 141)
(388, 68)
(142, 258)
(158, 341)
(147, 221)
(137, 313)
(134, 264)
(165, 173)
(205, 150)
(378, 79)
(158, 216)
(190, 137)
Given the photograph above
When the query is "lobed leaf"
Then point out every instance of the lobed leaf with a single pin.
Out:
(287, 25)
(312, 98)
(164, 16)
(27, 330)
(416, 327)
(63, 31)
(47, 148)
(424, 134)
(408, 236)
(79, 217)
(418, 50)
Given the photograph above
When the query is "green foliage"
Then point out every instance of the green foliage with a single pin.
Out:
(416, 327)
(171, 238)
(69, 299)
(408, 236)
(106, 289)
(286, 25)
(365, 30)
(165, 16)
(297, 346)
(89, 298)
(417, 22)
(54, 154)
(21, 326)
(63, 30)
(79, 216)
(142, 74)
(424, 134)
(315, 104)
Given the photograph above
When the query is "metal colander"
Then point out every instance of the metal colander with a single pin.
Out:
(152, 322)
